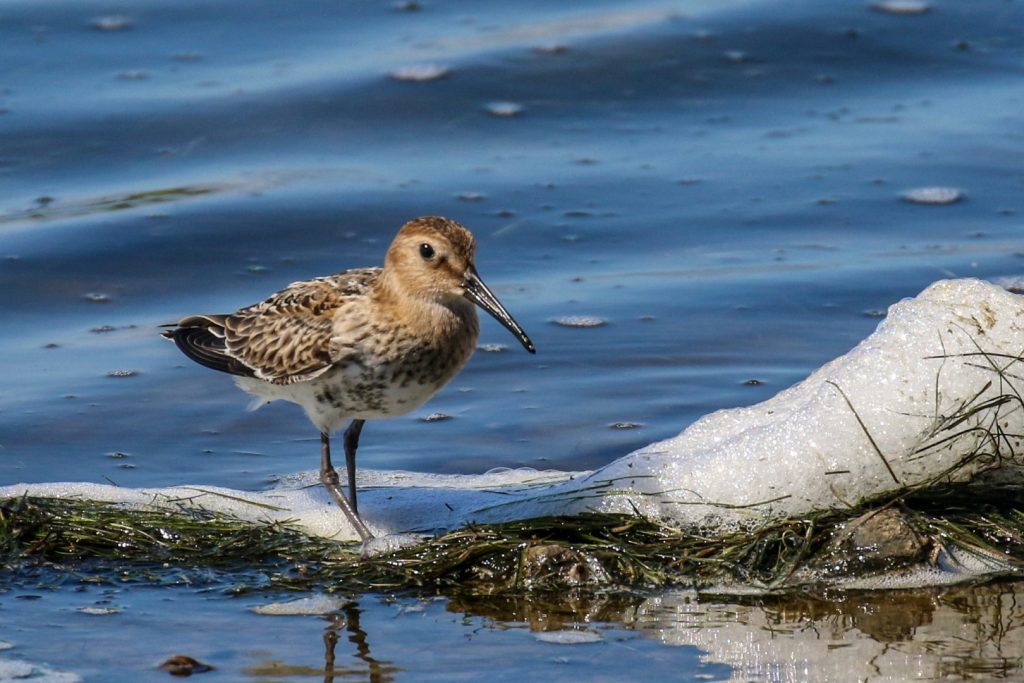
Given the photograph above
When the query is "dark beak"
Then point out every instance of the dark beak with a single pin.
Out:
(478, 293)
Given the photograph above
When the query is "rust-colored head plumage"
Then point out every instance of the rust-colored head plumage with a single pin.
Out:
(430, 257)
(433, 259)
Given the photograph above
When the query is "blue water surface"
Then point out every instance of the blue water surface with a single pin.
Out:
(719, 181)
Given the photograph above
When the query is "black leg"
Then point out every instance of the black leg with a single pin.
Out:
(329, 478)
(351, 444)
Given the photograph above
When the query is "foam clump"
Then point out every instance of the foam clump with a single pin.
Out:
(313, 605)
(381, 545)
(931, 396)
(22, 670)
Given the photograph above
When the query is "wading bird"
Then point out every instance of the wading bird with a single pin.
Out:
(365, 344)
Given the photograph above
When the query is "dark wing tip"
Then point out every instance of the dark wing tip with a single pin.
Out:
(201, 345)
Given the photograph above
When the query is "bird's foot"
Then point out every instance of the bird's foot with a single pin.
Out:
(330, 480)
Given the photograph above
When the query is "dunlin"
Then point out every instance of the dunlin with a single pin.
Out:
(364, 344)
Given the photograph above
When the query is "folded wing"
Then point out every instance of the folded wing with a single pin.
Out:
(284, 339)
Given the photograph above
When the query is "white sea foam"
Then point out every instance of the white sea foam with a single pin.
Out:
(569, 637)
(314, 604)
(862, 426)
(831, 440)
(12, 670)
(392, 502)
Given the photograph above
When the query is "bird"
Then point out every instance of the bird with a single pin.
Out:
(363, 344)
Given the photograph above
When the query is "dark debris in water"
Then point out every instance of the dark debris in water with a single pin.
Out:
(121, 202)
(183, 665)
(879, 540)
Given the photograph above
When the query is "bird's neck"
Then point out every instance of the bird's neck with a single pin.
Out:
(436, 317)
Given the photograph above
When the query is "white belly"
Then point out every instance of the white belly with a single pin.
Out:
(344, 394)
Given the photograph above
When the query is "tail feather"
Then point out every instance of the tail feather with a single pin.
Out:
(201, 338)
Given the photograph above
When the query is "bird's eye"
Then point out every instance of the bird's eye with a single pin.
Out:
(426, 251)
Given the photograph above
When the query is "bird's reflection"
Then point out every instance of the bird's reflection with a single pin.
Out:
(377, 671)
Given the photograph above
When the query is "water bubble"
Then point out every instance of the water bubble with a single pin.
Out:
(123, 373)
(736, 56)
(99, 610)
(436, 417)
(626, 425)
(933, 195)
(901, 7)
(96, 297)
(132, 76)
(492, 348)
(579, 321)
(569, 637)
(112, 22)
(470, 197)
(504, 109)
(420, 73)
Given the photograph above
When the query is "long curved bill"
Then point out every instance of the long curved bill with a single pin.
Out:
(478, 293)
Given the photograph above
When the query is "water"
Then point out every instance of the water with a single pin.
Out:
(720, 181)
(954, 634)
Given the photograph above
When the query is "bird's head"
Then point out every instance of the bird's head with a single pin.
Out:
(433, 258)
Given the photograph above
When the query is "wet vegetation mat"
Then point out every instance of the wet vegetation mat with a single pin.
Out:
(51, 541)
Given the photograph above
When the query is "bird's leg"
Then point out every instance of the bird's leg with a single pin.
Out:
(329, 478)
(351, 444)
